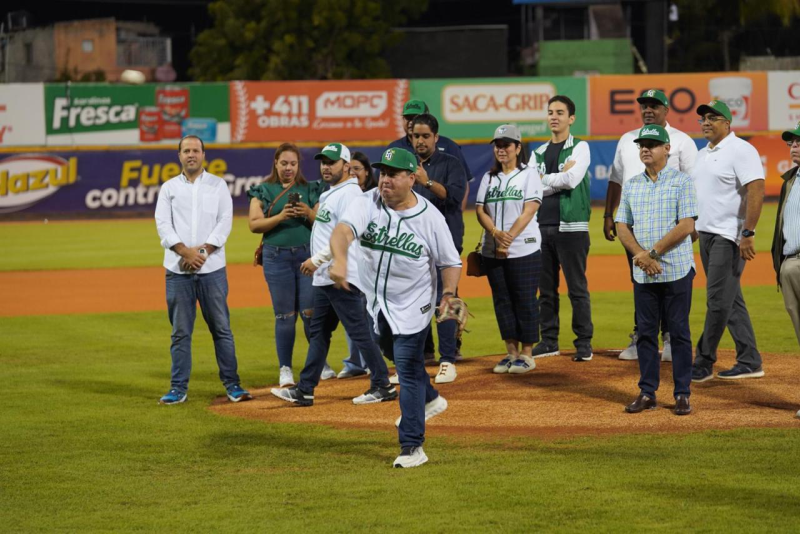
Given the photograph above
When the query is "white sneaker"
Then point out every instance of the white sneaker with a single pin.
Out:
(523, 364)
(797, 414)
(447, 373)
(504, 365)
(433, 408)
(394, 380)
(327, 373)
(286, 378)
(630, 353)
(410, 457)
(666, 354)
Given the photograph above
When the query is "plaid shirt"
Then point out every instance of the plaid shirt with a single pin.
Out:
(653, 209)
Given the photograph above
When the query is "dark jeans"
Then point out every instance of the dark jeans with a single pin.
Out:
(184, 291)
(330, 306)
(514, 284)
(724, 303)
(635, 320)
(355, 362)
(415, 384)
(675, 299)
(567, 251)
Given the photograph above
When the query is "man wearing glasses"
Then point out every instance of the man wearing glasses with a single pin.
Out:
(730, 190)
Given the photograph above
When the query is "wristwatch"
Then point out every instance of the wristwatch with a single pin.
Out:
(429, 183)
(748, 233)
(653, 254)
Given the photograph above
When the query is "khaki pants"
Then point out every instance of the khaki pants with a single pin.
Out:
(790, 286)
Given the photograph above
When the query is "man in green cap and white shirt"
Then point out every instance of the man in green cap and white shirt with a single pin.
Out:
(654, 107)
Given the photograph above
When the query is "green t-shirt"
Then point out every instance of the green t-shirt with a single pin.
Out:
(293, 232)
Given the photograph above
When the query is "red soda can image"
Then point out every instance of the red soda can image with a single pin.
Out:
(149, 124)
(173, 101)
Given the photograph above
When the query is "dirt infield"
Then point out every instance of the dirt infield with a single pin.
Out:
(142, 289)
(559, 399)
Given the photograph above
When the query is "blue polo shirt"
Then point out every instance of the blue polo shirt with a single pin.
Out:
(445, 144)
(446, 170)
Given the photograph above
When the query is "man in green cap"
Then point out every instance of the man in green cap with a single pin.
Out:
(655, 221)
(654, 107)
(786, 240)
(729, 178)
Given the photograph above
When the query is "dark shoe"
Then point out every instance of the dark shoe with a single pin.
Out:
(701, 373)
(642, 403)
(584, 354)
(374, 395)
(682, 406)
(543, 349)
(739, 371)
(294, 395)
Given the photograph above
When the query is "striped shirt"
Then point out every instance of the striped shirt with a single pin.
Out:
(791, 221)
(653, 209)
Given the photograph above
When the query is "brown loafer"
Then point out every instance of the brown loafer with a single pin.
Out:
(642, 403)
(682, 406)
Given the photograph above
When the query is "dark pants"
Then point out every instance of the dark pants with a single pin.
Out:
(724, 303)
(415, 384)
(514, 284)
(635, 320)
(567, 251)
(675, 299)
(330, 306)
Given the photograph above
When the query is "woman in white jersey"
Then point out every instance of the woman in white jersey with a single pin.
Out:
(508, 198)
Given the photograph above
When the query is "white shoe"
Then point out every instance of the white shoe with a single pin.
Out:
(797, 414)
(394, 380)
(630, 353)
(410, 457)
(327, 373)
(523, 364)
(503, 365)
(433, 408)
(286, 378)
(666, 354)
(447, 373)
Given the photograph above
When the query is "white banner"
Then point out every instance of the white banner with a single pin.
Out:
(22, 114)
(784, 99)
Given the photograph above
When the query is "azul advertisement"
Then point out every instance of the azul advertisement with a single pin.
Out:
(472, 108)
(364, 110)
(615, 110)
(113, 114)
(21, 114)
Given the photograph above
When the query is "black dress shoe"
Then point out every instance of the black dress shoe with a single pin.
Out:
(682, 406)
(642, 403)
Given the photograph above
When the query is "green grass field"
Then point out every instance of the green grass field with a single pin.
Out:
(86, 447)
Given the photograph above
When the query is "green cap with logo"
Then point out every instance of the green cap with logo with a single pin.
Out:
(398, 158)
(335, 152)
(717, 107)
(653, 94)
(415, 107)
(652, 132)
(788, 135)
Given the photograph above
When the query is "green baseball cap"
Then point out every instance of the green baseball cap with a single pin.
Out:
(335, 152)
(398, 158)
(717, 107)
(415, 107)
(788, 135)
(653, 132)
(653, 94)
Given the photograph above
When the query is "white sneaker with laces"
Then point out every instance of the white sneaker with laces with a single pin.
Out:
(666, 354)
(433, 408)
(504, 365)
(327, 373)
(630, 353)
(410, 457)
(286, 378)
(447, 373)
(394, 380)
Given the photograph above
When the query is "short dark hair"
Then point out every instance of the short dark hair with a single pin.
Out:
(202, 145)
(428, 120)
(564, 100)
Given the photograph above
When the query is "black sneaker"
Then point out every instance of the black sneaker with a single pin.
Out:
(543, 349)
(584, 354)
(701, 373)
(374, 395)
(739, 371)
(294, 395)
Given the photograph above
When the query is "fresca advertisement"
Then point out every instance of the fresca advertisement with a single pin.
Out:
(111, 114)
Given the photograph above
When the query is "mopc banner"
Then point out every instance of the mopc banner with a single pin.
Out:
(472, 108)
(784, 100)
(21, 114)
(363, 110)
(615, 110)
(117, 114)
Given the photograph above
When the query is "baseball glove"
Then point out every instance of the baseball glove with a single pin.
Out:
(455, 309)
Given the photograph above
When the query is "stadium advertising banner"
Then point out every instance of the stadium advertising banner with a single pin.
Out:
(21, 114)
(115, 114)
(364, 110)
(614, 109)
(775, 158)
(784, 100)
(472, 108)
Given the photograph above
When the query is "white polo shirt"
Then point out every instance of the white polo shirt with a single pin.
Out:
(400, 252)
(721, 175)
(682, 155)
(194, 214)
(332, 206)
(503, 198)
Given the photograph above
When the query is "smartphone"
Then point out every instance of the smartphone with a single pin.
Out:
(294, 198)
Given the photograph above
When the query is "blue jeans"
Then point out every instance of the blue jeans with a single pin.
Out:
(332, 305)
(356, 362)
(415, 384)
(183, 293)
(291, 293)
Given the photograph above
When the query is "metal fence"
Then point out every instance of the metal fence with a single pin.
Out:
(144, 51)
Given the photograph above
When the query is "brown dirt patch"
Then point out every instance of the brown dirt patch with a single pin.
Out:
(559, 399)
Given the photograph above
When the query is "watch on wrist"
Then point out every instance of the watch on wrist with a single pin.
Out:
(429, 183)
(653, 254)
(748, 233)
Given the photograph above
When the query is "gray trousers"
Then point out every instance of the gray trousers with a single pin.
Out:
(567, 251)
(725, 305)
(790, 287)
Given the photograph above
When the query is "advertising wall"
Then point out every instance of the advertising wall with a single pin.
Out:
(784, 100)
(21, 114)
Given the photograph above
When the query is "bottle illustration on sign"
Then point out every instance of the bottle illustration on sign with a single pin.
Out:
(736, 92)
(173, 101)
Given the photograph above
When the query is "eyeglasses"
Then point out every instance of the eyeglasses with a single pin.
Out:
(711, 118)
(795, 141)
(355, 168)
(649, 146)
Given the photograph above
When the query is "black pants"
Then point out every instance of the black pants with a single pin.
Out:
(635, 320)
(567, 251)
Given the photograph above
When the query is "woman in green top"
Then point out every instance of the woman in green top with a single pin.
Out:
(283, 208)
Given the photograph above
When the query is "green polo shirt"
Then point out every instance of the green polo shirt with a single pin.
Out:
(293, 232)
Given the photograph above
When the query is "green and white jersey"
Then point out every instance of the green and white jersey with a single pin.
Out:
(400, 252)
(332, 205)
(504, 197)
